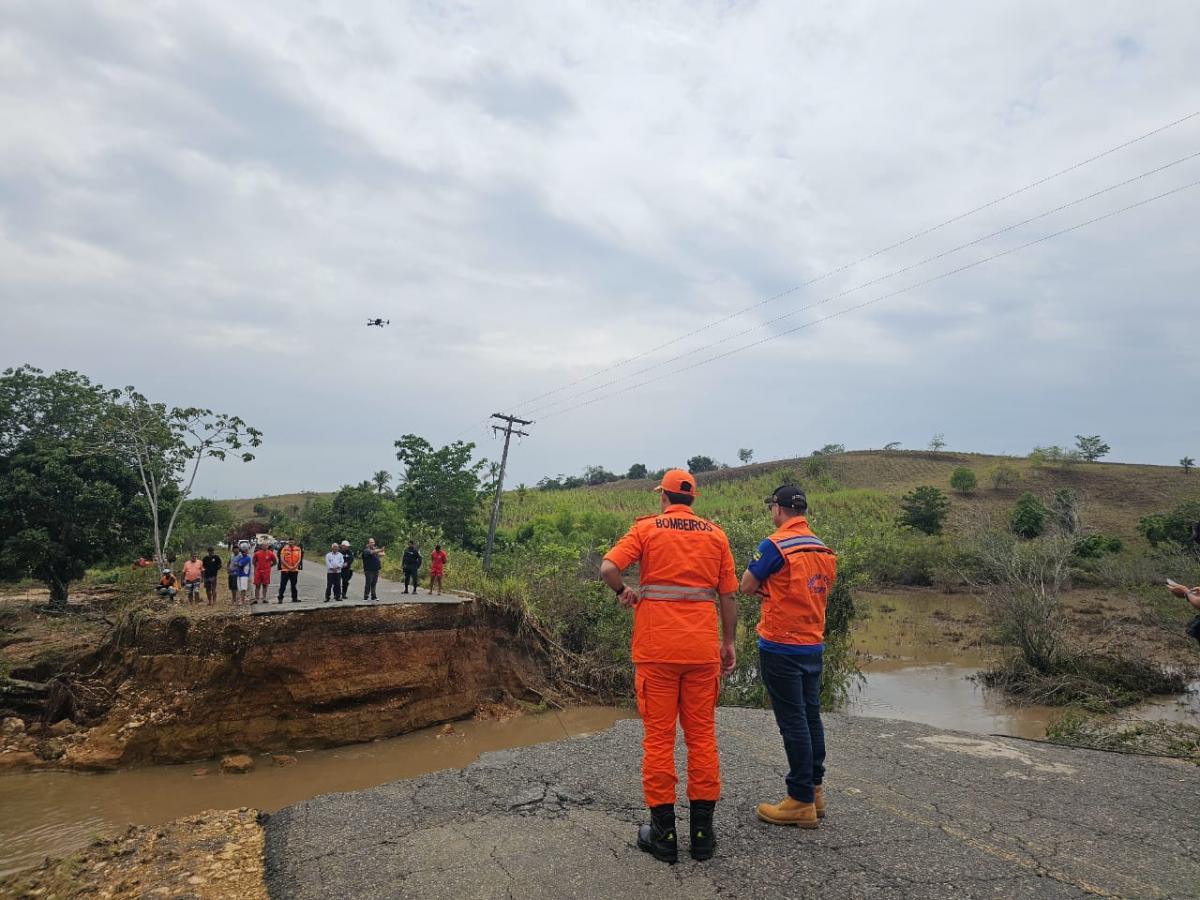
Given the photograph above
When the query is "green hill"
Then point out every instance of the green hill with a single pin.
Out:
(1113, 495)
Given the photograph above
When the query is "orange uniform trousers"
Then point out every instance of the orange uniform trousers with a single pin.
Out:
(686, 693)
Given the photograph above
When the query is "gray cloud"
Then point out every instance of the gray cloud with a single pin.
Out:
(206, 201)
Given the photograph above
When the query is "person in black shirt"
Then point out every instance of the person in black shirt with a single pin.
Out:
(211, 566)
(347, 568)
(372, 560)
(411, 564)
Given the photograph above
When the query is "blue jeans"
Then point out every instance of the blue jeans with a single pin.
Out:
(793, 683)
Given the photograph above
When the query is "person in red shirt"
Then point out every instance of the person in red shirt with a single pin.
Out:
(264, 562)
(437, 567)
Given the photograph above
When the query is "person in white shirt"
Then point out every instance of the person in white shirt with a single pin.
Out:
(333, 572)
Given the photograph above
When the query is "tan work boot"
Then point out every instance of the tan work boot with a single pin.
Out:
(789, 812)
(819, 801)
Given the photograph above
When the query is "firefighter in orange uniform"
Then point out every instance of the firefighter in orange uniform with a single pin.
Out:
(291, 561)
(685, 566)
(793, 575)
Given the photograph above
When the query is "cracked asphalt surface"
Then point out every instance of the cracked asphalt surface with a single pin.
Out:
(913, 812)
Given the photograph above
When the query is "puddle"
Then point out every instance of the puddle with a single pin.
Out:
(918, 656)
(56, 813)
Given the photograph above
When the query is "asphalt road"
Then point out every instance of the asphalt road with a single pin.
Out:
(913, 812)
(311, 590)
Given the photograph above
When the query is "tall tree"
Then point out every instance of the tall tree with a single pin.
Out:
(937, 443)
(440, 487)
(66, 500)
(1187, 462)
(637, 471)
(381, 479)
(745, 456)
(698, 464)
(166, 447)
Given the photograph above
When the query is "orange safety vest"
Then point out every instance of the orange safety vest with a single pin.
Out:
(685, 563)
(794, 598)
(289, 558)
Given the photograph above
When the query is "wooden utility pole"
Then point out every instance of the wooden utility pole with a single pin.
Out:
(509, 430)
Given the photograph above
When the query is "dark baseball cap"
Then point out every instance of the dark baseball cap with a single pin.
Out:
(789, 497)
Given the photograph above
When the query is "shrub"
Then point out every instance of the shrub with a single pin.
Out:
(963, 480)
(1028, 516)
(924, 509)
(1004, 476)
(1174, 527)
(1095, 546)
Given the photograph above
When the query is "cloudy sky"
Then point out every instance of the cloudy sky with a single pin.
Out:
(208, 201)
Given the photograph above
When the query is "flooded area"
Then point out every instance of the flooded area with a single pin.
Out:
(55, 813)
(919, 652)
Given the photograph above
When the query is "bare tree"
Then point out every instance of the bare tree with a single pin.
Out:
(166, 446)
(937, 443)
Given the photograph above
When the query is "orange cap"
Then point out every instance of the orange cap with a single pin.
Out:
(677, 481)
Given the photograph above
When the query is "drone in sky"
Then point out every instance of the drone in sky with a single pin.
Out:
(378, 323)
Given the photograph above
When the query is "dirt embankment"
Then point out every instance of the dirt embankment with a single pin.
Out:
(172, 689)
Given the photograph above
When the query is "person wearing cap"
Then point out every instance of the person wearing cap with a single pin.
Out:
(291, 561)
(793, 575)
(685, 565)
(347, 567)
(243, 563)
(168, 585)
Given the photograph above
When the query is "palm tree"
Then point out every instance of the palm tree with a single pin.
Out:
(1187, 462)
(381, 480)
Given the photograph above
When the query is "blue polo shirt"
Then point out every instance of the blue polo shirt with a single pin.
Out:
(769, 562)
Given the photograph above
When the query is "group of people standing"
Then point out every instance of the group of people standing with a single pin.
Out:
(253, 566)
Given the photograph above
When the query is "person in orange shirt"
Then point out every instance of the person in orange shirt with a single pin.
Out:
(193, 572)
(685, 565)
(793, 575)
(291, 561)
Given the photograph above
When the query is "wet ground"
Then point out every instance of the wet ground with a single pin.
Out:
(54, 813)
(920, 651)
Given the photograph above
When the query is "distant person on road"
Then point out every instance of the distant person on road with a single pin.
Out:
(211, 565)
(243, 562)
(291, 561)
(686, 569)
(333, 572)
(411, 564)
(793, 575)
(168, 585)
(347, 567)
(372, 562)
(437, 567)
(193, 573)
(1192, 596)
(264, 562)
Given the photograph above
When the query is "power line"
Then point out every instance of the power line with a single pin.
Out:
(878, 299)
(912, 237)
(829, 299)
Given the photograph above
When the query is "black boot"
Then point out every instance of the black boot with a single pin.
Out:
(658, 838)
(704, 839)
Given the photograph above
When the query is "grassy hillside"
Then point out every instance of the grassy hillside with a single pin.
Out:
(244, 509)
(1114, 495)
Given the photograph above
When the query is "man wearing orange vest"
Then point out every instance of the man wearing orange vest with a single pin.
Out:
(291, 561)
(793, 575)
(685, 565)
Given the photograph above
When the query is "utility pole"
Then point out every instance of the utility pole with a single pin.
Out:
(509, 430)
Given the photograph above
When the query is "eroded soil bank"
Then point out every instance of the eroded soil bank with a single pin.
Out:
(166, 688)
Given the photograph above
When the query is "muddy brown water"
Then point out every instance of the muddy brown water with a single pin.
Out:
(55, 813)
(919, 663)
